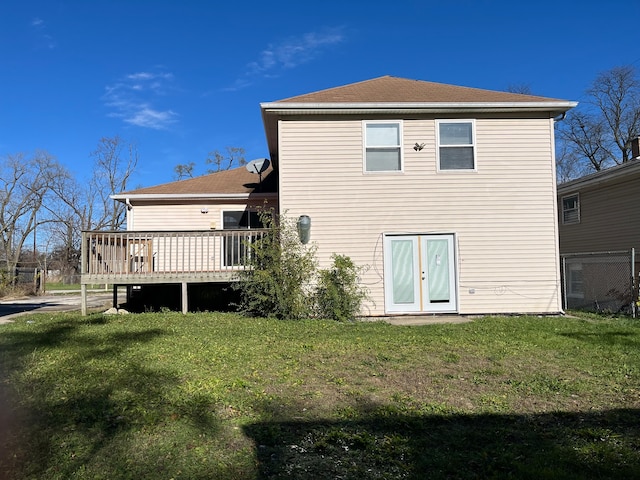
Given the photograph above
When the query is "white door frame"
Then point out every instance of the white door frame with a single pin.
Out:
(407, 288)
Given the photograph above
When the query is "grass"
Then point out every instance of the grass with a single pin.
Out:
(219, 396)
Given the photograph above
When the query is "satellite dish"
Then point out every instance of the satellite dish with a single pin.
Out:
(258, 166)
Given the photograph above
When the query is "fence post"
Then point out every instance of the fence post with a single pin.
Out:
(83, 299)
(634, 286)
(563, 286)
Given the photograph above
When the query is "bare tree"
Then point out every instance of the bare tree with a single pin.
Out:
(114, 162)
(234, 157)
(231, 158)
(88, 205)
(71, 208)
(568, 164)
(522, 88)
(585, 138)
(598, 134)
(616, 94)
(184, 170)
(25, 184)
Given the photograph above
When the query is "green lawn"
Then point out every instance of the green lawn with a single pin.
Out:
(219, 396)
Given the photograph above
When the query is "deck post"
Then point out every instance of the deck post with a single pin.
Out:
(115, 296)
(185, 298)
(83, 299)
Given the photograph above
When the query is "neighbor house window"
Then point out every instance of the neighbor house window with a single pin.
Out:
(575, 283)
(235, 244)
(571, 209)
(383, 146)
(456, 144)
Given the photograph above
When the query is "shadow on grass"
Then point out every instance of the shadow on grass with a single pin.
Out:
(83, 397)
(620, 338)
(390, 445)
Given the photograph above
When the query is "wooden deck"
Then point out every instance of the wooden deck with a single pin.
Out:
(164, 257)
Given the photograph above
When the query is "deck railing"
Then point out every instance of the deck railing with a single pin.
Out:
(154, 256)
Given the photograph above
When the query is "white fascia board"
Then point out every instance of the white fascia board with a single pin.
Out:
(435, 107)
(192, 196)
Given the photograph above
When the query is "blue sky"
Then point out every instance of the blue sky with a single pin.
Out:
(183, 78)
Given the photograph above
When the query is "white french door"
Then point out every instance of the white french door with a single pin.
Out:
(420, 273)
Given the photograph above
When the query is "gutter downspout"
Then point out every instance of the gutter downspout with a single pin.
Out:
(129, 214)
(560, 117)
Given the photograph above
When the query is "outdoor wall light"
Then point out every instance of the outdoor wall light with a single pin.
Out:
(304, 228)
(204, 210)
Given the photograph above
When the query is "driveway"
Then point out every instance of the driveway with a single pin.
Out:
(67, 302)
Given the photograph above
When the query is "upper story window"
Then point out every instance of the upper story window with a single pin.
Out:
(456, 144)
(571, 209)
(383, 146)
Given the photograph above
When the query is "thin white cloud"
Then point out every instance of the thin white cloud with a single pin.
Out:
(287, 54)
(133, 99)
(140, 76)
(148, 117)
(42, 37)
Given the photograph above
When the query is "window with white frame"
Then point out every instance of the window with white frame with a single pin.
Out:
(571, 209)
(383, 146)
(456, 144)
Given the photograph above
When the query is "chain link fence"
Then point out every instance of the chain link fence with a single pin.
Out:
(24, 279)
(602, 282)
(27, 275)
(37, 277)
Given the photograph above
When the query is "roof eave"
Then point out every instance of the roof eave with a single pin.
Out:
(603, 176)
(291, 108)
(192, 196)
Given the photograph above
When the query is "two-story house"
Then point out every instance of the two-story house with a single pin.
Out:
(446, 193)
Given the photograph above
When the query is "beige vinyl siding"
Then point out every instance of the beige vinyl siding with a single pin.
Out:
(167, 217)
(609, 218)
(503, 214)
(186, 254)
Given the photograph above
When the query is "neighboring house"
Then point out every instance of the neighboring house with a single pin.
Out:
(598, 213)
(446, 193)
